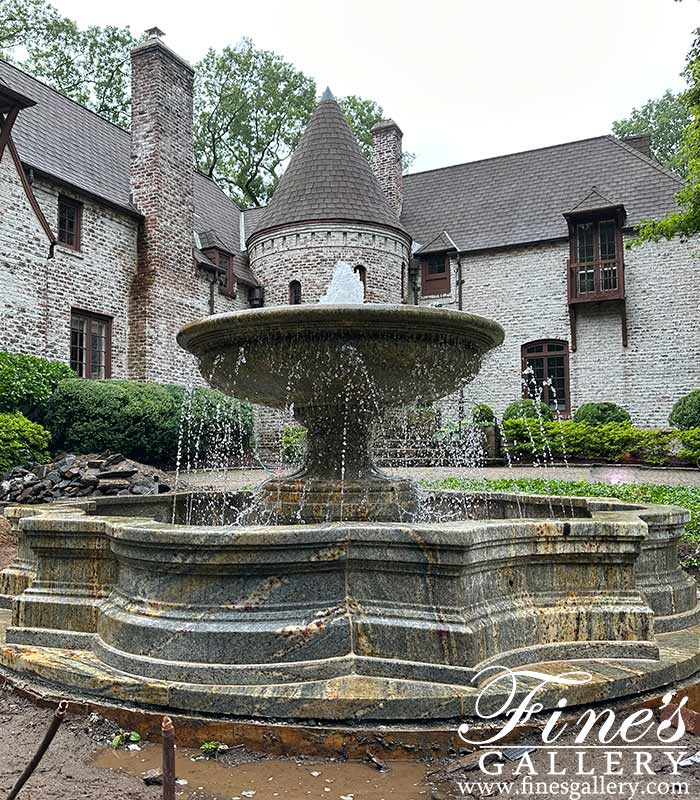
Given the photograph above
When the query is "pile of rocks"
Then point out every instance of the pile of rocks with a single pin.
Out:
(80, 476)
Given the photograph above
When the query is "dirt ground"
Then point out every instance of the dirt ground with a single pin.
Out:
(66, 770)
(81, 765)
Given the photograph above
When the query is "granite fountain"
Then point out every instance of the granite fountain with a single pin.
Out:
(339, 593)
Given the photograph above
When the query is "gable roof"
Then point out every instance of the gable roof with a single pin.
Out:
(593, 201)
(442, 243)
(328, 178)
(521, 198)
(67, 141)
(497, 202)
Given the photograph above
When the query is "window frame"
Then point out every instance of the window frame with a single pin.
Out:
(90, 317)
(597, 271)
(70, 202)
(361, 270)
(293, 285)
(440, 284)
(563, 408)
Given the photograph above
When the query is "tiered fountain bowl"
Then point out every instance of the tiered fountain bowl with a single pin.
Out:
(346, 596)
(339, 368)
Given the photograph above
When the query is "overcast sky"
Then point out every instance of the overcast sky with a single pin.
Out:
(464, 80)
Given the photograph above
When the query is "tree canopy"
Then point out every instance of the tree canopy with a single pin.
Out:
(686, 221)
(251, 106)
(665, 119)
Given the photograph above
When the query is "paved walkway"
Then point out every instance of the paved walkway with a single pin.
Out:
(240, 478)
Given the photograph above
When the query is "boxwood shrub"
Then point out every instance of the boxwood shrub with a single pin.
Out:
(528, 409)
(27, 382)
(686, 411)
(601, 413)
(142, 420)
(21, 440)
(527, 439)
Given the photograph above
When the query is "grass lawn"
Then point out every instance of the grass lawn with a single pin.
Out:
(633, 492)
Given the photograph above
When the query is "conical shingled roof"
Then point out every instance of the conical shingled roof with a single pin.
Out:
(328, 178)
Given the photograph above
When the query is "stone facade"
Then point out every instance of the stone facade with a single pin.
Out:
(525, 290)
(137, 271)
(38, 293)
(308, 254)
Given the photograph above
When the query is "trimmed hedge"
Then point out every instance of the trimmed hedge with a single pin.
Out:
(528, 409)
(615, 441)
(27, 382)
(21, 440)
(482, 414)
(686, 411)
(601, 413)
(142, 420)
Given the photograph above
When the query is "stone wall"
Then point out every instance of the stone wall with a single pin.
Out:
(524, 289)
(38, 293)
(308, 253)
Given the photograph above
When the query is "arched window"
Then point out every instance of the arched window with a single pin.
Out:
(545, 366)
(362, 272)
(294, 293)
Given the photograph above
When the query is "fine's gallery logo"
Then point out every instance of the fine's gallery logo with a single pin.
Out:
(594, 745)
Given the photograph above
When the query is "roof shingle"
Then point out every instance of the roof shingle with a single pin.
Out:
(328, 178)
(521, 198)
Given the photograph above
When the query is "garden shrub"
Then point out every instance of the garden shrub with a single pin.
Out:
(614, 441)
(528, 409)
(601, 413)
(482, 414)
(27, 382)
(293, 444)
(21, 441)
(142, 420)
(690, 446)
(686, 411)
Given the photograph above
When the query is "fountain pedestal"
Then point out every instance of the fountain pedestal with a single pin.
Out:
(338, 480)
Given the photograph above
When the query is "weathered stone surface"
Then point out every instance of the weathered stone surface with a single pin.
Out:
(350, 620)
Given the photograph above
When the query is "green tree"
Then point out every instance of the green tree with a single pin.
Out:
(251, 107)
(665, 119)
(90, 66)
(686, 221)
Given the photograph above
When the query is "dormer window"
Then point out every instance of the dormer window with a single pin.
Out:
(596, 251)
(229, 282)
(596, 272)
(435, 274)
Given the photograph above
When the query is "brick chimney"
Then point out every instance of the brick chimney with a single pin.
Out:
(387, 161)
(161, 189)
(641, 142)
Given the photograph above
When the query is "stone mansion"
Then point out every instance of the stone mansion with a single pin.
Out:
(110, 242)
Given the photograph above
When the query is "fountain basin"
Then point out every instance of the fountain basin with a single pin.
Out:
(310, 621)
(322, 355)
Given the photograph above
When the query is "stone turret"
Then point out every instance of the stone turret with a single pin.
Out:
(328, 207)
